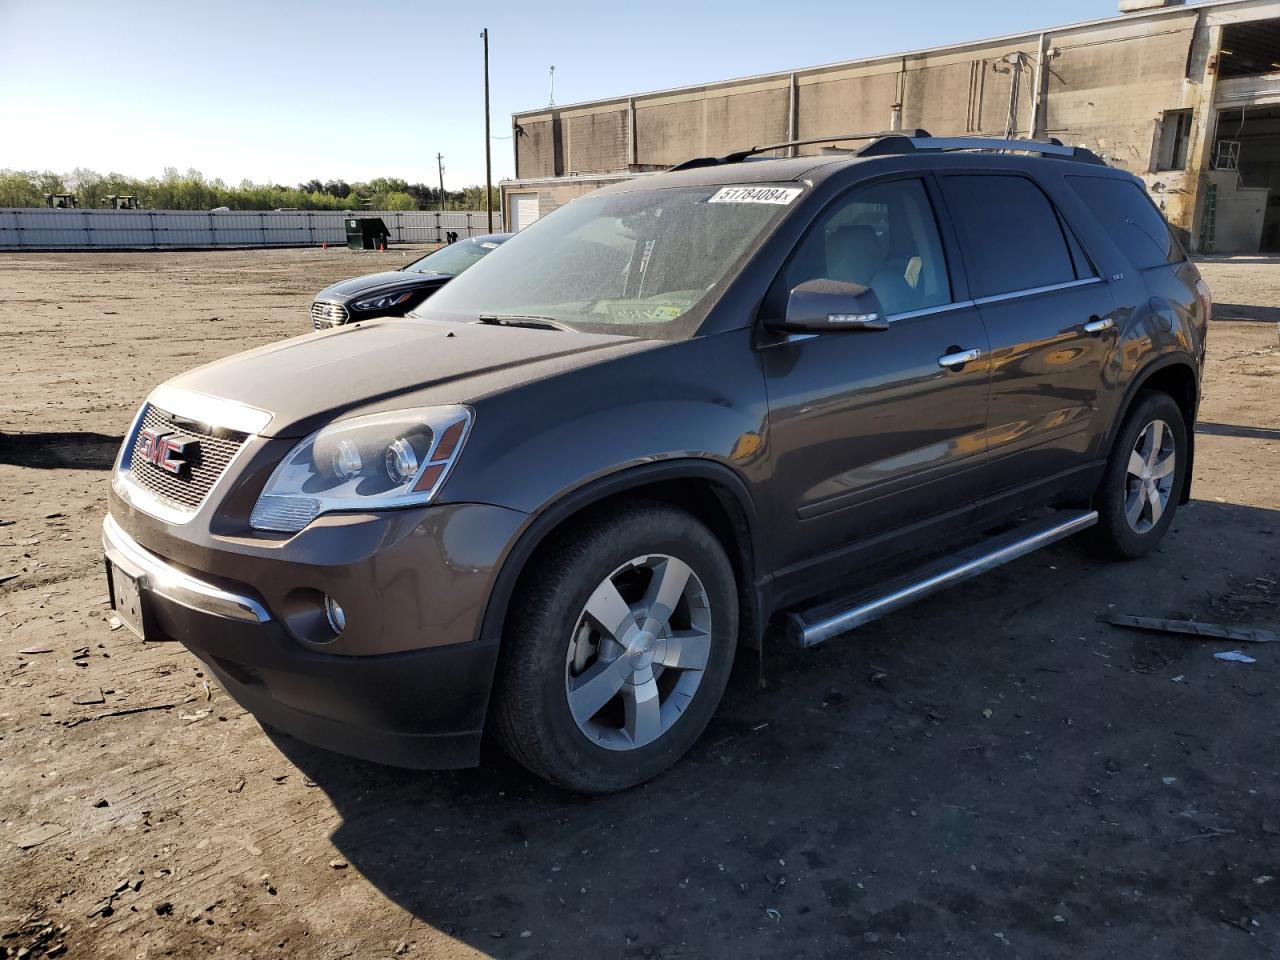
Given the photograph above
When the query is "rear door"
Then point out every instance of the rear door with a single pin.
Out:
(873, 431)
(1050, 320)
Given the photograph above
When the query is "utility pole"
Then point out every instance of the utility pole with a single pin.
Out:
(488, 160)
(440, 166)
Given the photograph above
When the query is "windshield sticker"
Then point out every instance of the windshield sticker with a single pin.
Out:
(778, 195)
(633, 312)
(489, 246)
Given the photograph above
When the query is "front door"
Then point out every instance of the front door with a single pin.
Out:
(874, 431)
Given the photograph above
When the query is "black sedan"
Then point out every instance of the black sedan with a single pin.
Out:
(396, 292)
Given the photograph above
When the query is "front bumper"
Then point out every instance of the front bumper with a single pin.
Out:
(419, 701)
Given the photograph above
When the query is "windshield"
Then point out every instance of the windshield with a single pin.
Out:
(649, 263)
(456, 257)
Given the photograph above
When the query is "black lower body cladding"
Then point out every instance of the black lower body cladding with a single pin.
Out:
(422, 709)
(407, 679)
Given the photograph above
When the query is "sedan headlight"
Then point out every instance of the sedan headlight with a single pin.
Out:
(384, 301)
(395, 459)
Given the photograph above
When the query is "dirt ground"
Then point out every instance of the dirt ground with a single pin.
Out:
(991, 773)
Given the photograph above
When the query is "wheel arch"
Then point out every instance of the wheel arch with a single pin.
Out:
(711, 491)
(1175, 375)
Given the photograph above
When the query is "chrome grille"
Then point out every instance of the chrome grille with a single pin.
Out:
(216, 447)
(325, 315)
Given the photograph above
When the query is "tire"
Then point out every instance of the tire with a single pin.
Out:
(1136, 501)
(622, 569)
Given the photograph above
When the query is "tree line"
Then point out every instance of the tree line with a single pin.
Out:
(191, 191)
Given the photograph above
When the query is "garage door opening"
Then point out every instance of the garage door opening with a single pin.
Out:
(1248, 143)
(524, 210)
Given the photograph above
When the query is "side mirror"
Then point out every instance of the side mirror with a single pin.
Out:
(822, 305)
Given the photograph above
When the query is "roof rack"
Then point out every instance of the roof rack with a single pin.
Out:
(739, 155)
(897, 142)
(901, 143)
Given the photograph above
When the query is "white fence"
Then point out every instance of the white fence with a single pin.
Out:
(43, 229)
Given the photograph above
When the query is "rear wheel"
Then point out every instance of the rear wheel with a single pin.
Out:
(1144, 478)
(618, 649)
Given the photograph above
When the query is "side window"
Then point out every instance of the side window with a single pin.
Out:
(1131, 219)
(1010, 233)
(884, 237)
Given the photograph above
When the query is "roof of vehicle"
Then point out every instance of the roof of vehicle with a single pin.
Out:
(747, 167)
(761, 170)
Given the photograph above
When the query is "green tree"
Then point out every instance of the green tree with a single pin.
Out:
(387, 185)
(18, 189)
(49, 182)
(189, 190)
(395, 201)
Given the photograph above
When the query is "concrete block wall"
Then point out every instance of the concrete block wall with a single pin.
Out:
(743, 118)
(1104, 85)
(669, 131)
(553, 196)
(1108, 92)
(597, 142)
(844, 101)
(536, 146)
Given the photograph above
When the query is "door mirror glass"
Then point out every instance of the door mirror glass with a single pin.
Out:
(819, 305)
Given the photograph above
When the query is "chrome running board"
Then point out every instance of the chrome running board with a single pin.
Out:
(808, 628)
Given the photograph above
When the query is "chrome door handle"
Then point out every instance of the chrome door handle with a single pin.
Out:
(1097, 326)
(953, 360)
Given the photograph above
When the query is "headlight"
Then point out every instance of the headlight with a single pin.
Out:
(395, 459)
(383, 302)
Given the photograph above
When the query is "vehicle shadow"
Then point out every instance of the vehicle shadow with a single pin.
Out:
(990, 759)
(486, 855)
(60, 451)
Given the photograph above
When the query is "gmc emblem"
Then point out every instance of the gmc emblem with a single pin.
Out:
(170, 452)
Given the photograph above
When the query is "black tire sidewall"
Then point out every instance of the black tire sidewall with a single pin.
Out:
(569, 757)
(1114, 531)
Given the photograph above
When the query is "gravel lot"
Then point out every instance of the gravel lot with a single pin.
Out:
(991, 773)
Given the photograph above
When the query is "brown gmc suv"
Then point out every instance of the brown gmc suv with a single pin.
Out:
(553, 501)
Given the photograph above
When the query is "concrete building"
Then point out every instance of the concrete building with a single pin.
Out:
(1187, 96)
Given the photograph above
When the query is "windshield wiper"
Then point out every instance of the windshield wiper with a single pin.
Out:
(515, 320)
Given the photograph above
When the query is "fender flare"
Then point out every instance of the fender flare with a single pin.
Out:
(548, 519)
(1140, 380)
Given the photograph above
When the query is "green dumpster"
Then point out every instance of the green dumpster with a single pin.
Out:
(366, 233)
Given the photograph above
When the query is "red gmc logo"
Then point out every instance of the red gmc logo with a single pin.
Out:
(168, 451)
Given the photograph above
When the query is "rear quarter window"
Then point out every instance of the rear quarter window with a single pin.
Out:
(1132, 220)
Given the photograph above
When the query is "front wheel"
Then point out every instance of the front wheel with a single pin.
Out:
(1144, 477)
(618, 649)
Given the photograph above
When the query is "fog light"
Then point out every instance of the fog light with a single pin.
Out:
(337, 619)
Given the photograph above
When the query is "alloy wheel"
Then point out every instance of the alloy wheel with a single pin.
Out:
(1149, 476)
(638, 652)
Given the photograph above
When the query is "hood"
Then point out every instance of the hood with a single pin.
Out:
(376, 282)
(391, 363)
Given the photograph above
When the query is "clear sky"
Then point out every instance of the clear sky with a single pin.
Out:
(283, 90)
